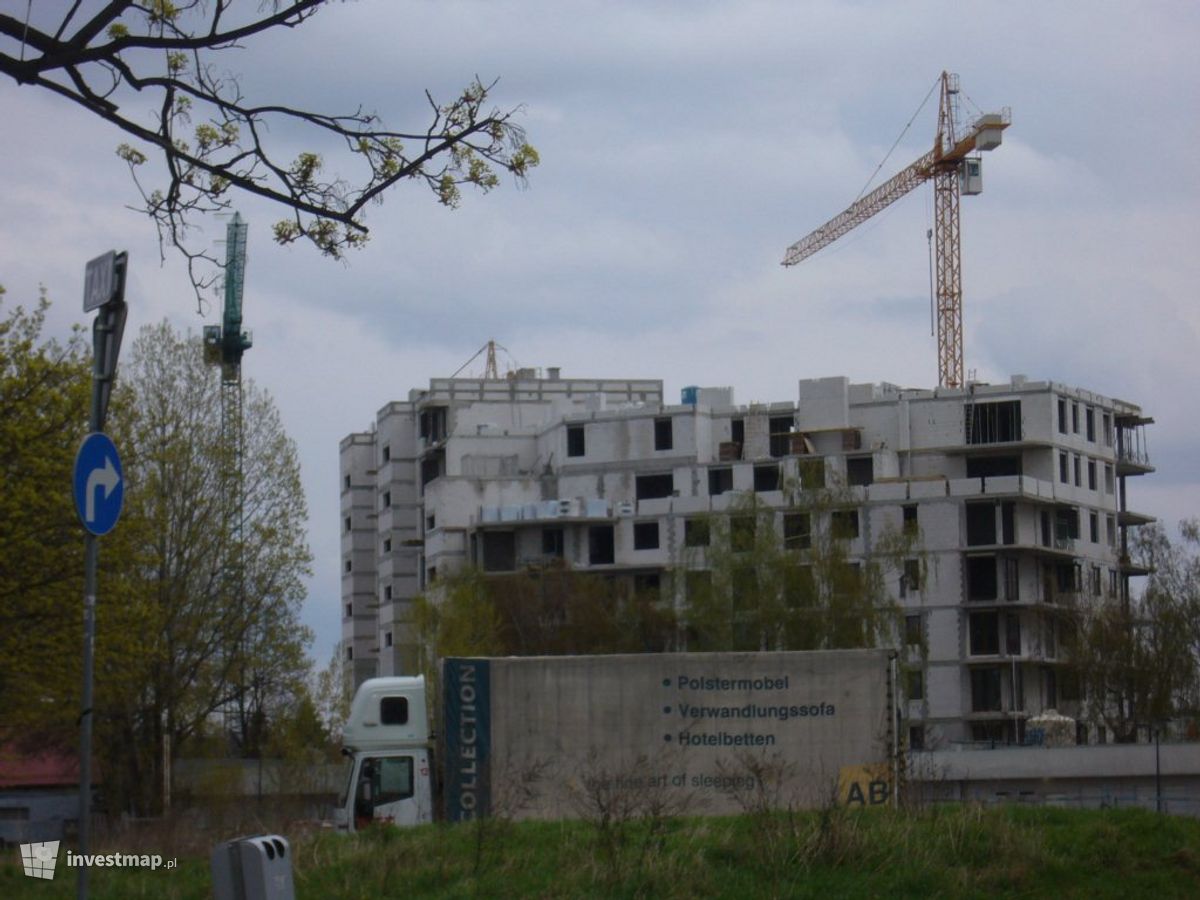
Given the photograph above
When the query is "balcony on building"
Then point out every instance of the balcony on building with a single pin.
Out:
(1133, 456)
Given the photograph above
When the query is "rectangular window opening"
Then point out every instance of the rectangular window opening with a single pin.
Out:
(601, 545)
(664, 437)
(981, 524)
(860, 470)
(720, 480)
(552, 542)
(499, 551)
(912, 630)
(575, 440)
(1012, 579)
(985, 690)
(915, 684)
(985, 634)
(695, 533)
(654, 487)
(981, 578)
(1012, 634)
(741, 533)
(910, 580)
(780, 431)
(645, 535)
(812, 474)
(766, 478)
(797, 531)
(993, 423)
(916, 737)
(844, 523)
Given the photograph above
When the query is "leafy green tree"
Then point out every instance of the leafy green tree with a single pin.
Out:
(44, 398)
(332, 693)
(760, 577)
(173, 646)
(545, 611)
(208, 649)
(1137, 660)
(122, 59)
(755, 577)
(298, 734)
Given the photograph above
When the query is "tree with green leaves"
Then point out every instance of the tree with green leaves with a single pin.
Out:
(331, 693)
(173, 648)
(44, 401)
(206, 649)
(762, 577)
(550, 609)
(752, 577)
(158, 71)
(1137, 659)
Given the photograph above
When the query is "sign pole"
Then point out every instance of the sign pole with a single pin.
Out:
(91, 553)
(104, 290)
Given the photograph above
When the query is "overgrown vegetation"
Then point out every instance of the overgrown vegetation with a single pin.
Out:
(760, 577)
(752, 577)
(1138, 660)
(175, 641)
(941, 852)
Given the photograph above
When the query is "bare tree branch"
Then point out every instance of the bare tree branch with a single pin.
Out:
(211, 140)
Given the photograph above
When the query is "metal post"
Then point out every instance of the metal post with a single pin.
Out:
(91, 554)
(104, 291)
(895, 734)
(1157, 774)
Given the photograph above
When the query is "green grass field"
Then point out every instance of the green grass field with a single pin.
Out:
(946, 852)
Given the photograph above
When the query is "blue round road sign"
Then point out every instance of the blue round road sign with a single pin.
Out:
(99, 484)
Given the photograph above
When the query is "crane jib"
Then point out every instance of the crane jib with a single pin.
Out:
(945, 164)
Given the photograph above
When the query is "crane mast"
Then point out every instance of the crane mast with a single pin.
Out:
(954, 171)
(224, 346)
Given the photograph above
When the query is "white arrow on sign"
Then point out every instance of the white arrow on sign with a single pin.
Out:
(106, 478)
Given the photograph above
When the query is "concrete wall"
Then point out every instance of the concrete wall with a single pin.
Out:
(37, 814)
(1112, 775)
(688, 728)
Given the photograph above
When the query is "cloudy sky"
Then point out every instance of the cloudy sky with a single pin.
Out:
(684, 146)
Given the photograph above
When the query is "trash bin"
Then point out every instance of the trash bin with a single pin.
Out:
(253, 868)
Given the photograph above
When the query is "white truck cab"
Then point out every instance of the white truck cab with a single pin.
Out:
(386, 740)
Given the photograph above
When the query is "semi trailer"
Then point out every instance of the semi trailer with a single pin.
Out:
(552, 737)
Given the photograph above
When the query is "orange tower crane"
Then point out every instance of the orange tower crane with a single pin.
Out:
(955, 167)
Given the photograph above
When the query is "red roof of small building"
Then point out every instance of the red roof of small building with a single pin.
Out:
(48, 768)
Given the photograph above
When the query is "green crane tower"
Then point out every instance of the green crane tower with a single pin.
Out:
(224, 346)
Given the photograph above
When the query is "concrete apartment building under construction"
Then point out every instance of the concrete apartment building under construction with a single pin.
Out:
(1017, 491)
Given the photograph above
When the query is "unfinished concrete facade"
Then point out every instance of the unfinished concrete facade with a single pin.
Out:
(1017, 492)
